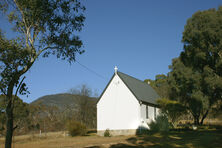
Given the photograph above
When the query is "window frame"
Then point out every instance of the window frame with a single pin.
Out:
(154, 112)
(147, 112)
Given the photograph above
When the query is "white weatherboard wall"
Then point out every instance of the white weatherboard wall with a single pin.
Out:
(151, 115)
(143, 112)
(118, 109)
(143, 116)
(157, 111)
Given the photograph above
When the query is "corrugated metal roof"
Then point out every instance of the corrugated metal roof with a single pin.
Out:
(141, 90)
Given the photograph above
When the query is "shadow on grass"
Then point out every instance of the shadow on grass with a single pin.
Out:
(122, 145)
(92, 131)
(175, 139)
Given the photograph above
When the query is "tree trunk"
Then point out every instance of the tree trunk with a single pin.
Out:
(9, 125)
(196, 120)
(9, 116)
(204, 116)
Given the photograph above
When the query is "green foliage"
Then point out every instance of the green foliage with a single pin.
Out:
(160, 84)
(76, 128)
(172, 109)
(196, 76)
(53, 24)
(21, 110)
(21, 114)
(107, 133)
(187, 88)
(42, 27)
(202, 41)
(203, 54)
(161, 124)
(13, 57)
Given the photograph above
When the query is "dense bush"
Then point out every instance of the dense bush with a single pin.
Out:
(107, 133)
(76, 128)
(172, 109)
(160, 125)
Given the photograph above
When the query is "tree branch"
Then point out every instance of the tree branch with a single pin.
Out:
(15, 96)
(25, 24)
(15, 127)
(35, 33)
(3, 91)
(204, 116)
(23, 16)
(48, 47)
(19, 86)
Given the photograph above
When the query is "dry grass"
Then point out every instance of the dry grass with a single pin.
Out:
(174, 139)
(60, 140)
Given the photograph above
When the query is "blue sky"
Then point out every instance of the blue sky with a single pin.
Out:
(140, 37)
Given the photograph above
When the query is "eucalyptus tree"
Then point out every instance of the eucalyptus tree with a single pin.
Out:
(196, 76)
(186, 89)
(42, 27)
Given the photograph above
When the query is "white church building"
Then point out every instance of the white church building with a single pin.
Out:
(126, 105)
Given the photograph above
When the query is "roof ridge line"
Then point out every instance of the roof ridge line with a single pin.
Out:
(132, 77)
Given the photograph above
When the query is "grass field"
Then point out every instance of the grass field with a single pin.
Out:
(173, 139)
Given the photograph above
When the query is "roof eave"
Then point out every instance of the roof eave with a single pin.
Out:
(150, 104)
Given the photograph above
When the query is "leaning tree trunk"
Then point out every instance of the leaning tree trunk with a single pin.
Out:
(204, 116)
(9, 124)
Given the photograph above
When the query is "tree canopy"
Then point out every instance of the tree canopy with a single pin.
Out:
(196, 76)
(160, 85)
(47, 24)
(185, 87)
(42, 27)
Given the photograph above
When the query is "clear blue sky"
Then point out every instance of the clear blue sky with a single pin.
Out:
(139, 36)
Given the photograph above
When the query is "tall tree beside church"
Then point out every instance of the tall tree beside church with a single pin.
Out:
(186, 88)
(42, 27)
(196, 76)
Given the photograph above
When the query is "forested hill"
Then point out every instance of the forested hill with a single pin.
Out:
(62, 101)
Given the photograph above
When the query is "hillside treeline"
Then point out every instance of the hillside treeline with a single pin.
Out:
(45, 116)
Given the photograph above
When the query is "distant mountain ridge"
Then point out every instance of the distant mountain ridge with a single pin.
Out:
(60, 100)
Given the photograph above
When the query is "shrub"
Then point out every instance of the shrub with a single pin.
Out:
(160, 125)
(107, 133)
(173, 109)
(76, 128)
(141, 130)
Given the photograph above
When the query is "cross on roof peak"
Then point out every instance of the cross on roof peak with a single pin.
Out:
(115, 69)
